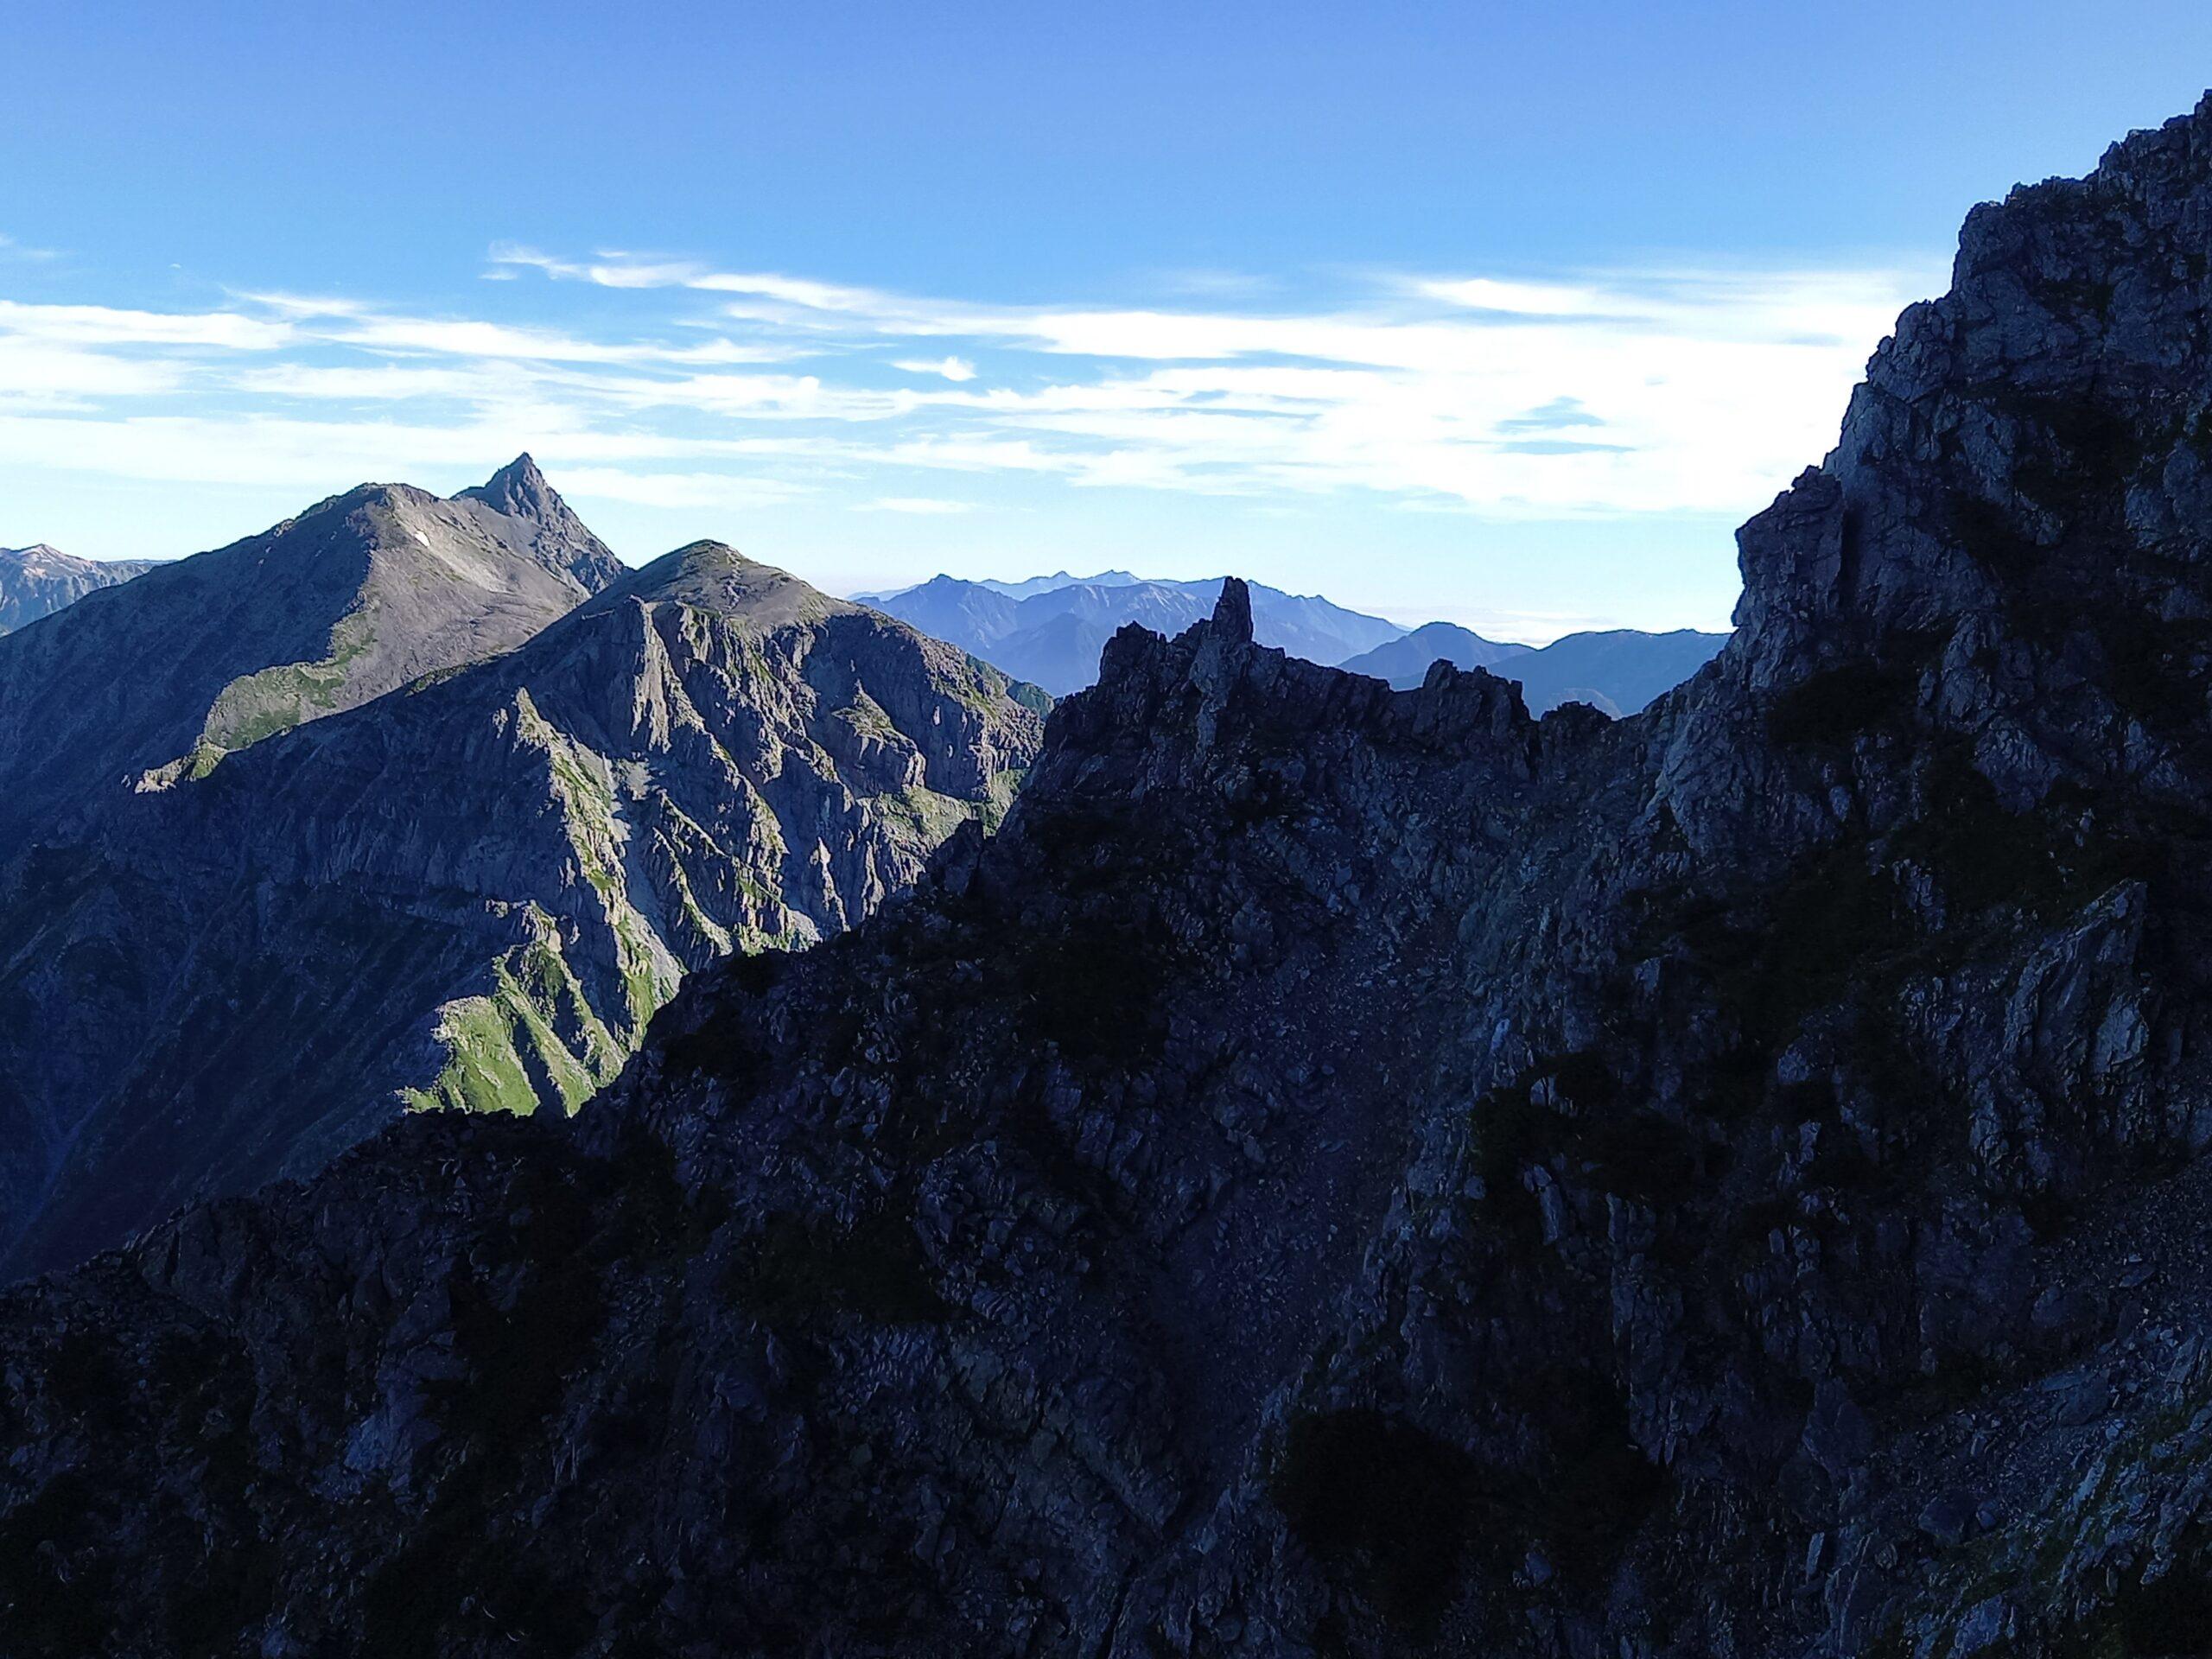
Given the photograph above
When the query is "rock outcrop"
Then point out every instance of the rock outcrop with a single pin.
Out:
(1343, 1171)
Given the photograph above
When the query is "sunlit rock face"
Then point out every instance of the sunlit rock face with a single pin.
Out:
(1342, 1170)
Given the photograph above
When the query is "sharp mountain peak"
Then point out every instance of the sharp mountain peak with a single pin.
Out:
(518, 487)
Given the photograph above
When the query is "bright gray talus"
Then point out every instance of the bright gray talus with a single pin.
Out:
(1343, 1171)
(36, 581)
(1048, 631)
(141, 683)
(474, 892)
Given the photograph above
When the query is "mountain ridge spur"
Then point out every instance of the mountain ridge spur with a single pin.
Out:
(358, 595)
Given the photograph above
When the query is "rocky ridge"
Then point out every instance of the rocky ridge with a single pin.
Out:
(1344, 1170)
(137, 684)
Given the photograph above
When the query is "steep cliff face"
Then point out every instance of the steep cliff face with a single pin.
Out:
(144, 682)
(473, 893)
(36, 581)
(1344, 1170)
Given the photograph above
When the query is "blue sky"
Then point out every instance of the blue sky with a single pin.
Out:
(1502, 313)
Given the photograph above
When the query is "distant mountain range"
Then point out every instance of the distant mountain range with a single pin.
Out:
(1404, 661)
(424, 801)
(1050, 630)
(38, 581)
(1616, 671)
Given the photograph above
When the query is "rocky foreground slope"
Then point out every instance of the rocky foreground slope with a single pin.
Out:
(36, 581)
(1343, 1171)
(474, 892)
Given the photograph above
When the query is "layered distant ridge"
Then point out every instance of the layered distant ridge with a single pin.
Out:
(38, 581)
(1049, 631)
(1616, 671)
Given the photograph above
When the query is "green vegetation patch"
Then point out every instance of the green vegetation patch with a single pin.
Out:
(484, 1072)
(277, 698)
(505, 1052)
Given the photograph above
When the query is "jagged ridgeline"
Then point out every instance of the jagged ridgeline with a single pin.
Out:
(1344, 1170)
(452, 845)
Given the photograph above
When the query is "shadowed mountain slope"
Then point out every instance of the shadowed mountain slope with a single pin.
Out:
(1343, 1171)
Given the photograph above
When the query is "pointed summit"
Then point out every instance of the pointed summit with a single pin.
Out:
(559, 540)
(518, 487)
(38, 580)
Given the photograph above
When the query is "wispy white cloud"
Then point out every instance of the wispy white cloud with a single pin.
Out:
(916, 503)
(950, 368)
(107, 326)
(722, 491)
(1504, 395)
